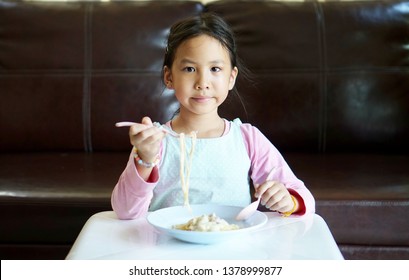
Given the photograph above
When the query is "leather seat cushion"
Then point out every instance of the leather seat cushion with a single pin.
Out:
(55, 193)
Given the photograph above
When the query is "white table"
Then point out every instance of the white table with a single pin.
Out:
(104, 236)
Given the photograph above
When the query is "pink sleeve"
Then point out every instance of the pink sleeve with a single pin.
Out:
(264, 158)
(132, 195)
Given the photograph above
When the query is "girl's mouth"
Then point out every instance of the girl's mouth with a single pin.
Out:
(201, 99)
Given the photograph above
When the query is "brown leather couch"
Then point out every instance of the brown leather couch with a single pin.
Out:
(332, 94)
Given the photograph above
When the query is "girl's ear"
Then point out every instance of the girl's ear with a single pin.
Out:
(233, 76)
(167, 77)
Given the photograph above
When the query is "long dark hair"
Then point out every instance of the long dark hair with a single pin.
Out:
(205, 24)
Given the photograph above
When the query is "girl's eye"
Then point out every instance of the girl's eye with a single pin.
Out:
(216, 69)
(189, 69)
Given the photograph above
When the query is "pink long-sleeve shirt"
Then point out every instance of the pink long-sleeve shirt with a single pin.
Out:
(132, 195)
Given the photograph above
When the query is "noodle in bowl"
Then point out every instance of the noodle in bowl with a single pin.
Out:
(165, 220)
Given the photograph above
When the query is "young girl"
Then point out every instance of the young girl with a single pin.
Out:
(201, 67)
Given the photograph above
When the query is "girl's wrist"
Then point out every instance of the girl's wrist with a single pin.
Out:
(141, 162)
(294, 209)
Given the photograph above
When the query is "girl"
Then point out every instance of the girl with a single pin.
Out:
(201, 67)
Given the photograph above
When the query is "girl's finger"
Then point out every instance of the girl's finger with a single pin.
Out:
(137, 128)
(266, 187)
(147, 121)
(275, 202)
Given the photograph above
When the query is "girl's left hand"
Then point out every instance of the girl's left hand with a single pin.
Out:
(275, 196)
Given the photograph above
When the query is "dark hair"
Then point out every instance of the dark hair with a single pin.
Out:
(205, 24)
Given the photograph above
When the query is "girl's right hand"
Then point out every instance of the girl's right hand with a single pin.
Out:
(146, 138)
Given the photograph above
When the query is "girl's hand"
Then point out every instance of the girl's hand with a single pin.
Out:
(275, 196)
(146, 138)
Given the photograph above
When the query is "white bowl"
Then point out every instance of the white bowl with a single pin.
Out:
(164, 219)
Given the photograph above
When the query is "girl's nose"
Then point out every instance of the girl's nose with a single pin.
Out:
(202, 83)
(201, 87)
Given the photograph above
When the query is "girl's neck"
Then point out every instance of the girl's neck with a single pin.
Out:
(206, 126)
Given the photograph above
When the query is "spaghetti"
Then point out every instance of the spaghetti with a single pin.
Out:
(206, 223)
(186, 166)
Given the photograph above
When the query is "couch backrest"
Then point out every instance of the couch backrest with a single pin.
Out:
(331, 76)
(70, 70)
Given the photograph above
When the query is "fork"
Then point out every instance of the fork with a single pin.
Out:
(156, 124)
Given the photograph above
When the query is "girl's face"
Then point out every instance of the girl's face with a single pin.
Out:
(201, 75)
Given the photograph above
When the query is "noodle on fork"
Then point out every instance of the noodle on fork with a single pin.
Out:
(185, 165)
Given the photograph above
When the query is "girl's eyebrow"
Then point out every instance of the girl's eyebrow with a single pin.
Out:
(188, 61)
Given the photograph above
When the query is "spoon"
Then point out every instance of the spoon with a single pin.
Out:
(249, 210)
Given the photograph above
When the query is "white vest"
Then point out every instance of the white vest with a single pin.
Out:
(219, 172)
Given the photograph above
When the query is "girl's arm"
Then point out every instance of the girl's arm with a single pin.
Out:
(132, 195)
(265, 157)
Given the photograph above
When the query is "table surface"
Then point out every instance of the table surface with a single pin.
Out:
(104, 236)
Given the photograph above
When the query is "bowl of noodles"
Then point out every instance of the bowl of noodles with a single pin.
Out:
(204, 223)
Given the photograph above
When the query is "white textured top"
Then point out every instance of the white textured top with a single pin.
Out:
(219, 172)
